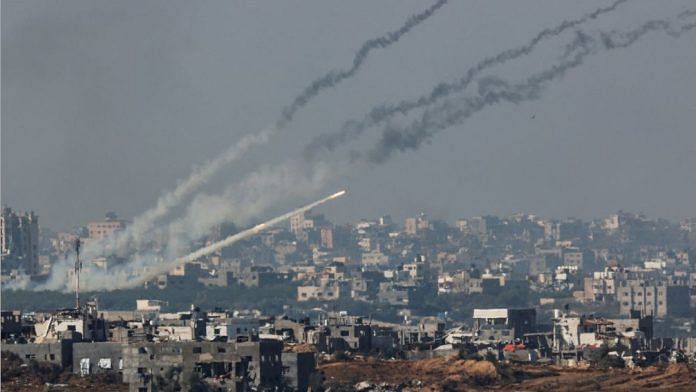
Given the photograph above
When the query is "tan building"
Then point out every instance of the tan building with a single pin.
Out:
(107, 227)
(327, 237)
(325, 290)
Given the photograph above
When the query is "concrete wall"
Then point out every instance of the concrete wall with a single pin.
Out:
(58, 353)
(297, 369)
(149, 363)
(102, 357)
(265, 362)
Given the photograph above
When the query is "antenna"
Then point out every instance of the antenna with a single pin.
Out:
(78, 267)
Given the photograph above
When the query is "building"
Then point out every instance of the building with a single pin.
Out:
(573, 256)
(652, 298)
(521, 321)
(298, 368)
(229, 329)
(20, 241)
(324, 290)
(107, 227)
(80, 324)
(341, 332)
(327, 237)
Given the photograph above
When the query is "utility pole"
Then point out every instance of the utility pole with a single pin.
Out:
(78, 267)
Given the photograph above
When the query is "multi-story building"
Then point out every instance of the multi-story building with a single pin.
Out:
(20, 241)
(327, 237)
(324, 290)
(652, 298)
(107, 227)
(573, 256)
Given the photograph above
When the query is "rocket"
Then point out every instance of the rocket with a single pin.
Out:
(161, 268)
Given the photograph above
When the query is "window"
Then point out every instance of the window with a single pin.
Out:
(221, 350)
(345, 333)
(197, 350)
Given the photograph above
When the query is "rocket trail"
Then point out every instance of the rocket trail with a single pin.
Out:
(493, 90)
(138, 232)
(161, 268)
(334, 77)
(381, 113)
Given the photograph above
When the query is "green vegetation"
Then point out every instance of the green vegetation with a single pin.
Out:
(269, 299)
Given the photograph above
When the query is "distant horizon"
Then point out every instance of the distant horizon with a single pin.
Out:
(397, 220)
(114, 103)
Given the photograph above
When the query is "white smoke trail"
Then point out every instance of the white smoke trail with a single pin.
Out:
(153, 270)
(247, 200)
(138, 233)
(264, 188)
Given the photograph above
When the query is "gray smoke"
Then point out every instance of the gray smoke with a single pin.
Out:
(334, 77)
(493, 90)
(381, 113)
(138, 234)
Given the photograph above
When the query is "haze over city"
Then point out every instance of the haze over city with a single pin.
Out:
(108, 104)
(335, 196)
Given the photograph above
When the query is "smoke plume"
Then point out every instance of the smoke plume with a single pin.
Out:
(334, 77)
(139, 233)
(264, 188)
(381, 113)
(493, 90)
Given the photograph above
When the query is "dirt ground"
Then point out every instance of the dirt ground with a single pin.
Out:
(450, 374)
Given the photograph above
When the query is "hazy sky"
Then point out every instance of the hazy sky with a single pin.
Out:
(105, 104)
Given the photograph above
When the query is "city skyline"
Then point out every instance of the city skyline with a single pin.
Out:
(348, 196)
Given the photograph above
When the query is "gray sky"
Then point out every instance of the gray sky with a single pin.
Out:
(106, 104)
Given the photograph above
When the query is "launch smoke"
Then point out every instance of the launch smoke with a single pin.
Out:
(243, 203)
(136, 234)
(438, 115)
(381, 113)
(160, 268)
(491, 90)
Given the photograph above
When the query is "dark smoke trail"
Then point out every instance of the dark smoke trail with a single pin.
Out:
(494, 90)
(353, 129)
(142, 225)
(334, 77)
